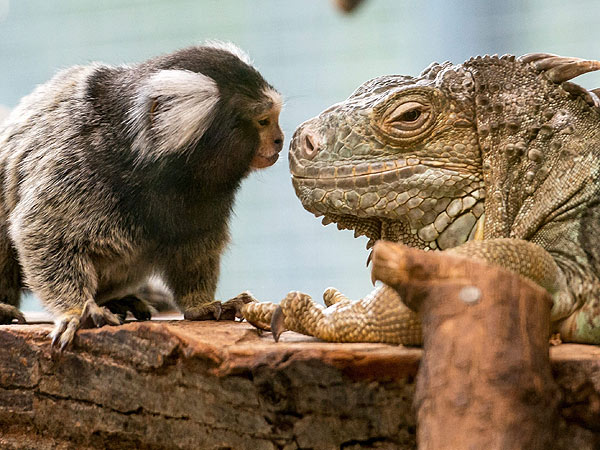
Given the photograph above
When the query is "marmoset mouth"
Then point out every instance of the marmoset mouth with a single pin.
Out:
(260, 162)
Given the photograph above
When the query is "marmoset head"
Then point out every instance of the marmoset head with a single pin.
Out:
(208, 101)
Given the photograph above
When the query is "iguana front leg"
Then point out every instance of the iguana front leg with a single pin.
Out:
(383, 317)
(523, 257)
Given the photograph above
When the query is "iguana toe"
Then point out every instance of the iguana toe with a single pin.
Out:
(259, 314)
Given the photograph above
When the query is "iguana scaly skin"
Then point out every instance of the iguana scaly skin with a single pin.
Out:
(496, 158)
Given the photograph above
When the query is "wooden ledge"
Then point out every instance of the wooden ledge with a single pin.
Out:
(219, 385)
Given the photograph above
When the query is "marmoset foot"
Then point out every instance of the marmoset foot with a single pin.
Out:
(9, 313)
(121, 306)
(229, 310)
(92, 316)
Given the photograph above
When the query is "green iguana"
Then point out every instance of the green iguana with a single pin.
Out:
(496, 158)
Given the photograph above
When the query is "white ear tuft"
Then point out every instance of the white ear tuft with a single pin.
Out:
(231, 48)
(172, 110)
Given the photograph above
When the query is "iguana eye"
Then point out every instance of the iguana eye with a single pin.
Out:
(408, 116)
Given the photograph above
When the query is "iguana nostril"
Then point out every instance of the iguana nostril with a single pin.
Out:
(310, 146)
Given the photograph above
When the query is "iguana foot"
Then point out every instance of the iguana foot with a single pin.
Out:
(266, 315)
(331, 297)
(91, 316)
(270, 317)
(379, 317)
(137, 307)
(582, 326)
(229, 310)
(9, 313)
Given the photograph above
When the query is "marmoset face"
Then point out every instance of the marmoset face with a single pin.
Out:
(270, 136)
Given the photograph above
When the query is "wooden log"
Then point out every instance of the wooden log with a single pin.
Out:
(218, 385)
(485, 380)
(201, 385)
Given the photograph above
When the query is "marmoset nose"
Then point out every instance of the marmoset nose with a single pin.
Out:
(310, 144)
(278, 143)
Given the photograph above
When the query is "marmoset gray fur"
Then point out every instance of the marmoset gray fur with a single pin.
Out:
(113, 174)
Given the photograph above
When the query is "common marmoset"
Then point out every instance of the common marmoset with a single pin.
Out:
(112, 174)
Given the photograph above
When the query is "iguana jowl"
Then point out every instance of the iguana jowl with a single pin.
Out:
(496, 158)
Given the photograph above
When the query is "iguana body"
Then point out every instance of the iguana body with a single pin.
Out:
(496, 158)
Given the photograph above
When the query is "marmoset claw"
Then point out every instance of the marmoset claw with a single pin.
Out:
(234, 307)
(92, 316)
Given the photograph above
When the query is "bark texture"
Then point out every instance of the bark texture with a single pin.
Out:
(167, 385)
(211, 385)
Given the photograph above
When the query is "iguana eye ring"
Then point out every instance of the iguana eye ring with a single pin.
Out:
(408, 116)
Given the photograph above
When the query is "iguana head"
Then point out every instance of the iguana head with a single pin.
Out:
(453, 154)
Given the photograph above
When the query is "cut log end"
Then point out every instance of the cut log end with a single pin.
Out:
(486, 355)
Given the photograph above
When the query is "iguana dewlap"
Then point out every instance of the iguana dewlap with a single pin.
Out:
(496, 158)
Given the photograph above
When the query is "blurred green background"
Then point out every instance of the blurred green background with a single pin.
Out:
(315, 56)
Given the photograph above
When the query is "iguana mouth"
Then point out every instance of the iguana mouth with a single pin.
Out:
(429, 208)
(394, 169)
(373, 228)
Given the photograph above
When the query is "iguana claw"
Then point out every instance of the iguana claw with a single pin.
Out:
(278, 323)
